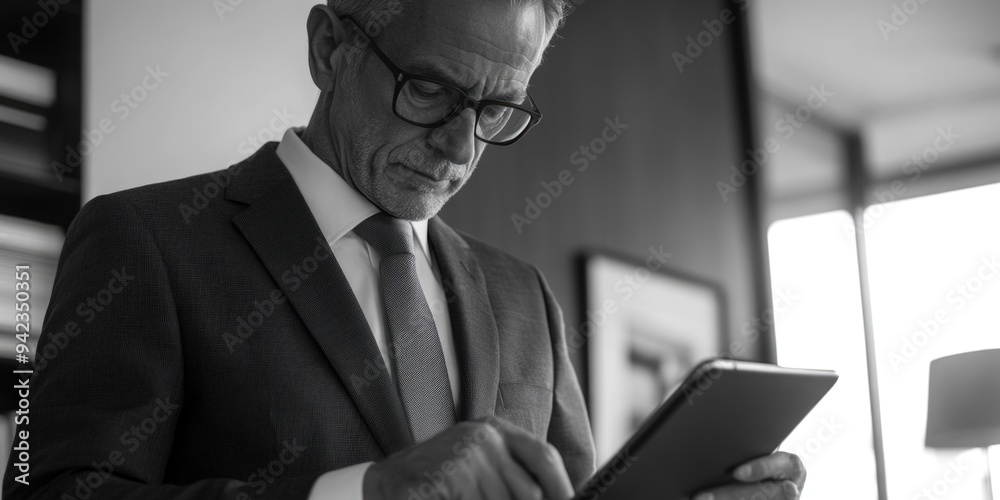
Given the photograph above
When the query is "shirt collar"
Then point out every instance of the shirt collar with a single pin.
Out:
(335, 205)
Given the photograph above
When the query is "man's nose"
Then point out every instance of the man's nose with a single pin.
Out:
(457, 138)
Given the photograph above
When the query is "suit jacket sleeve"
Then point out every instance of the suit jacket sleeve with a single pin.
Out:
(569, 428)
(108, 388)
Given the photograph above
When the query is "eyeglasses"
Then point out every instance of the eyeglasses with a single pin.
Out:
(430, 103)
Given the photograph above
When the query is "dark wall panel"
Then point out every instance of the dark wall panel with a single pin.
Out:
(655, 184)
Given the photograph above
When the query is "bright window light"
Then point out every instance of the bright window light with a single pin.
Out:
(935, 290)
(819, 324)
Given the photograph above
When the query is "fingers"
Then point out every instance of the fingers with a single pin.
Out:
(515, 480)
(522, 486)
(771, 490)
(538, 458)
(492, 485)
(778, 476)
(779, 466)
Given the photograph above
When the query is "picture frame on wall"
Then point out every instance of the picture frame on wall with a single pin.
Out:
(646, 328)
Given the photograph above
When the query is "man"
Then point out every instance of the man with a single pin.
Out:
(316, 332)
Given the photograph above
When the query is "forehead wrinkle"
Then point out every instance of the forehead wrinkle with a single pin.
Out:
(514, 54)
(480, 55)
(467, 44)
(471, 77)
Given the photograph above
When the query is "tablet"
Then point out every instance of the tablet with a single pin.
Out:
(724, 414)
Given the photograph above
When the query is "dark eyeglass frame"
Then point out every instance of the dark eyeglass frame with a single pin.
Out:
(402, 77)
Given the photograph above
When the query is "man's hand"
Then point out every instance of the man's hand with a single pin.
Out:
(483, 460)
(780, 476)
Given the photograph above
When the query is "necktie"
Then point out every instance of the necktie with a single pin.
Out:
(415, 349)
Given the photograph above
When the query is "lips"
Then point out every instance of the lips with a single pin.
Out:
(416, 178)
(430, 176)
(420, 172)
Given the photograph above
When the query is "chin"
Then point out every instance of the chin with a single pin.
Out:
(408, 201)
(413, 208)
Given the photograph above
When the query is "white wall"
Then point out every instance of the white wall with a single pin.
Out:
(228, 71)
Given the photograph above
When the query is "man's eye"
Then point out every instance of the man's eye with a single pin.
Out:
(426, 90)
(494, 113)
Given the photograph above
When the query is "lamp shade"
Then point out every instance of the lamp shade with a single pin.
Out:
(963, 401)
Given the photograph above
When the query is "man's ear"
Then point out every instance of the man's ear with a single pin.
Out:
(328, 42)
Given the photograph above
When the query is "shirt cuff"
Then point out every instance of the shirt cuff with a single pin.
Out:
(341, 484)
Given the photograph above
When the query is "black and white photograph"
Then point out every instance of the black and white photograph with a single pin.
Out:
(499, 249)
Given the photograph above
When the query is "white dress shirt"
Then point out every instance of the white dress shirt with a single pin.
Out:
(338, 208)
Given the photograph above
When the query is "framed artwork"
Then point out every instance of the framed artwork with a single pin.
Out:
(646, 328)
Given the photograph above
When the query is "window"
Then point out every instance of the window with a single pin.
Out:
(934, 284)
(935, 290)
(819, 324)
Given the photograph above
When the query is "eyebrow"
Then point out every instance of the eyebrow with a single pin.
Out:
(431, 70)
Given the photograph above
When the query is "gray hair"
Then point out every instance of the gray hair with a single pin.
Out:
(374, 15)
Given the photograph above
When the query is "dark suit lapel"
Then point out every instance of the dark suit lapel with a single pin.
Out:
(283, 232)
(472, 323)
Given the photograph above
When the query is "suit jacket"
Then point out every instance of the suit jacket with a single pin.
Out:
(200, 344)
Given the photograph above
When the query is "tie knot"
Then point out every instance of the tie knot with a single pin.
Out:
(387, 234)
